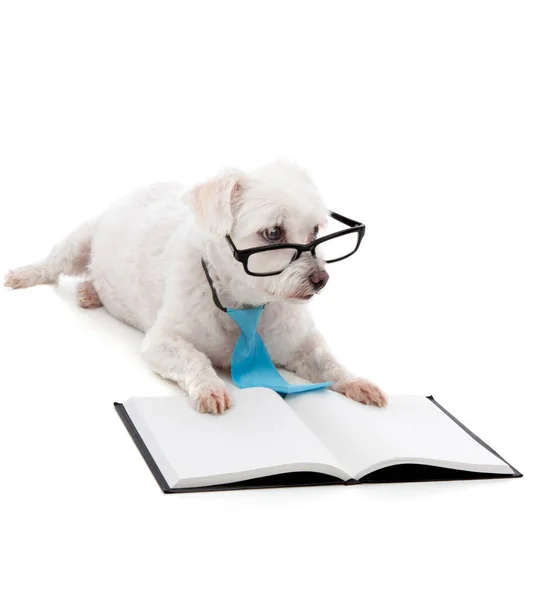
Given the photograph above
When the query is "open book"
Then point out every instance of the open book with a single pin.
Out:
(314, 438)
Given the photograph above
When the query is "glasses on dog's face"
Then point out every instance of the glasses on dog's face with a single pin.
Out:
(275, 258)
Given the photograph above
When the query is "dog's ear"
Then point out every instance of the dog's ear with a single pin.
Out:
(215, 202)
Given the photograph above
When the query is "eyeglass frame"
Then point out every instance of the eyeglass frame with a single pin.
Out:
(243, 255)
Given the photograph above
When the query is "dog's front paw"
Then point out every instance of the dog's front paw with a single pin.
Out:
(213, 400)
(361, 391)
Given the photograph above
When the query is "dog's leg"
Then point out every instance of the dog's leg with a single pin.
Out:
(70, 257)
(87, 295)
(311, 359)
(175, 358)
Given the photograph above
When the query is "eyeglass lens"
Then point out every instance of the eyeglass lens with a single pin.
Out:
(338, 247)
(270, 261)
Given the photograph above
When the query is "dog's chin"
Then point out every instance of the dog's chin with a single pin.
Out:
(295, 295)
(300, 297)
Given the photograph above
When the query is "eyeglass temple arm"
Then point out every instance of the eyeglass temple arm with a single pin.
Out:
(344, 220)
(231, 244)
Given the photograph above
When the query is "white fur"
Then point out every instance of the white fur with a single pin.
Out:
(143, 258)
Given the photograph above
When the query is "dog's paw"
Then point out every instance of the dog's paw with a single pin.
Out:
(361, 390)
(22, 277)
(213, 400)
(87, 296)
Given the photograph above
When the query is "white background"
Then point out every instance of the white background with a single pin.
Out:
(433, 123)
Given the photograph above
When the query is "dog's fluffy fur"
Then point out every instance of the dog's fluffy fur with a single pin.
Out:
(142, 261)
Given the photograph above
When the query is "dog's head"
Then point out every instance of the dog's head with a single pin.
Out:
(274, 204)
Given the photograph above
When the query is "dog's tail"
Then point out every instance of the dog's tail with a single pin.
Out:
(70, 257)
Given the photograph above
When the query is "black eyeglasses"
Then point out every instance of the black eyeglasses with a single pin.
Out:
(275, 258)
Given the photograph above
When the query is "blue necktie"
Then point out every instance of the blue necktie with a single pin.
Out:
(251, 365)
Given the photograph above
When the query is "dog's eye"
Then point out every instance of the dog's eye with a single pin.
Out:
(316, 231)
(273, 234)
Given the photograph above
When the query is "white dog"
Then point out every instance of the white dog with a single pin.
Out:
(142, 260)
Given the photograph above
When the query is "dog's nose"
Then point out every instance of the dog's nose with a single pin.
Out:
(319, 279)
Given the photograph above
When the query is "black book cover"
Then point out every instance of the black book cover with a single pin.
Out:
(393, 474)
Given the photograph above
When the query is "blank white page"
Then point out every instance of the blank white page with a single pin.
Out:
(410, 429)
(260, 435)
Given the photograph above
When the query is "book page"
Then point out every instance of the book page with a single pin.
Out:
(260, 435)
(410, 429)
